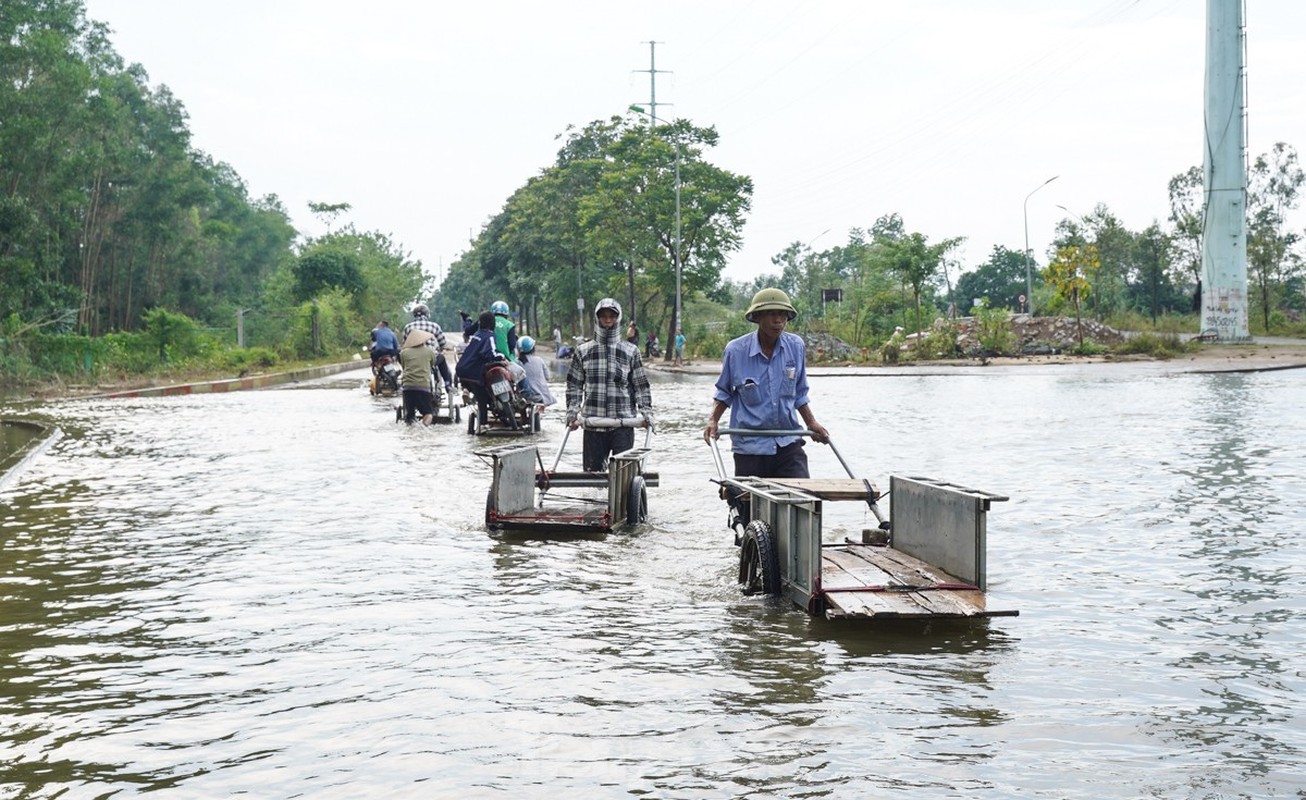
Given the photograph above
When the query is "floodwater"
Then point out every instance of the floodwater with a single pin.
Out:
(283, 593)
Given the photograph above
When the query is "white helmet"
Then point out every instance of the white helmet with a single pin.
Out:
(420, 310)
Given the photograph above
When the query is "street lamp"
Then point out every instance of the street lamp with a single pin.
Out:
(1029, 279)
(676, 255)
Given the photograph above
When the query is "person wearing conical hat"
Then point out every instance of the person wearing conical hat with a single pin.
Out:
(418, 362)
(763, 382)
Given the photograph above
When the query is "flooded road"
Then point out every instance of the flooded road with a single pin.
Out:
(283, 593)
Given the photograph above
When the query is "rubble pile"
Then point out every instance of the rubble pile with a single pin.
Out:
(1034, 335)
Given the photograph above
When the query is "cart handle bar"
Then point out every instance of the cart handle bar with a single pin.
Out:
(721, 467)
(602, 422)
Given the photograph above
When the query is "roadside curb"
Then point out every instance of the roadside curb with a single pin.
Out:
(36, 438)
(232, 384)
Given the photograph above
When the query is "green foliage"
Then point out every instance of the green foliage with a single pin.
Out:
(327, 266)
(602, 221)
(1088, 348)
(711, 342)
(1000, 281)
(1129, 320)
(172, 336)
(326, 325)
(891, 351)
(993, 330)
(1068, 274)
(1155, 345)
(939, 343)
(251, 358)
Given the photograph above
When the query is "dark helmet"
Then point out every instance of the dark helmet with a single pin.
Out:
(420, 310)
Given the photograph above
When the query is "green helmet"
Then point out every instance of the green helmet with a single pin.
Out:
(770, 300)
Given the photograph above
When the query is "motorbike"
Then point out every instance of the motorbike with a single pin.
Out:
(500, 406)
(385, 376)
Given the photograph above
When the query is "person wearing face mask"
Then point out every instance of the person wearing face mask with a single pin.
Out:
(607, 381)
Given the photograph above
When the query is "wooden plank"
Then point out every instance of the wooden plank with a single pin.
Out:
(874, 573)
(831, 488)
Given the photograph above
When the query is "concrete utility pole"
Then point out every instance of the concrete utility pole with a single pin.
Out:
(1224, 223)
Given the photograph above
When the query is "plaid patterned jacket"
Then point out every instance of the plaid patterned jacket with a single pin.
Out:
(423, 324)
(607, 378)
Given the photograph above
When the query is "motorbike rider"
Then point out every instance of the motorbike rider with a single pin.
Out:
(384, 343)
(418, 362)
(607, 380)
(505, 342)
(479, 354)
(422, 322)
(536, 371)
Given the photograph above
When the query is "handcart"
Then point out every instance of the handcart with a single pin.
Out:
(448, 408)
(527, 496)
(929, 562)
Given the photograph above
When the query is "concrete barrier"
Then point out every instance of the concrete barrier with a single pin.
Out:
(21, 442)
(236, 384)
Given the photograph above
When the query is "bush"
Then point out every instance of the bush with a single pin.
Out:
(1088, 348)
(249, 358)
(993, 330)
(1156, 345)
(940, 342)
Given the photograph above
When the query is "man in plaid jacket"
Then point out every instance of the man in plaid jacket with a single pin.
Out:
(422, 322)
(607, 389)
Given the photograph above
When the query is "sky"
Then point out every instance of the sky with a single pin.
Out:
(426, 116)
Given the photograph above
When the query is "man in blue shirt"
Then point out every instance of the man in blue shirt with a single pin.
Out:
(763, 382)
(384, 342)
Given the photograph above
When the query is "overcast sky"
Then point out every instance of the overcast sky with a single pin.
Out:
(425, 116)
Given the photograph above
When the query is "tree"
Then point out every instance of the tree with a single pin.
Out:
(1186, 208)
(327, 266)
(1068, 274)
(1000, 280)
(1273, 190)
(916, 262)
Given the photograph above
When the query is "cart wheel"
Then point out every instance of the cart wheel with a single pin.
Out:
(637, 502)
(759, 564)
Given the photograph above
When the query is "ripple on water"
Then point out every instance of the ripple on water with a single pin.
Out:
(284, 593)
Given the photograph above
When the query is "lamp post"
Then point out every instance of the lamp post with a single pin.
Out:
(1029, 277)
(676, 255)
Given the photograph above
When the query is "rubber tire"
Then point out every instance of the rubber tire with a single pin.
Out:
(457, 414)
(759, 563)
(637, 501)
(506, 413)
(535, 422)
(489, 506)
(471, 423)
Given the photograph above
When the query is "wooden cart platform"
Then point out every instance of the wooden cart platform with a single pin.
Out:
(931, 566)
(865, 579)
(524, 496)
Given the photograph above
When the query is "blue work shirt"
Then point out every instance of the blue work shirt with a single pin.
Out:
(384, 340)
(762, 392)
